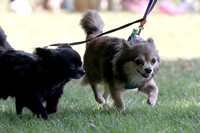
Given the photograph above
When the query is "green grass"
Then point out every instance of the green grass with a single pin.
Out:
(178, 105)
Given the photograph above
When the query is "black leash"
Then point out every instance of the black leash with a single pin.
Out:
(150, 6)
(110, 31)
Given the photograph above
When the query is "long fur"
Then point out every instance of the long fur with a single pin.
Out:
(115, 62)
(34, 78)
(3, 40)
(92, 24)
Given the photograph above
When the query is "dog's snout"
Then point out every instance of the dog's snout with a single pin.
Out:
(82, 72)
(148, 70)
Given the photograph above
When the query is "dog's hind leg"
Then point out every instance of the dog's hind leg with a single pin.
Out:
(97, 94)
(106, 96)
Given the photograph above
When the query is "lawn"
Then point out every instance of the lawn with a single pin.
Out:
(178, 105)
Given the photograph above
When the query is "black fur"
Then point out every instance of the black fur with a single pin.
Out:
(34, 78)
(3, 41)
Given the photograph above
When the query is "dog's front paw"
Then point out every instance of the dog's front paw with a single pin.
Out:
(152, 101)
(119, 106)
(51, 110)
(44, 116)
(100, 99)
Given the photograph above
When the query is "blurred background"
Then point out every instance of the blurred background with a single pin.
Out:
(173, 24)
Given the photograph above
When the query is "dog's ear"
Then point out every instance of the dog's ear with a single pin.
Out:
(43, 52)
(150, 40)
(125, 44)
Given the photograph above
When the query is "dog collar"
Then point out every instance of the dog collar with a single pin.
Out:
(130, 86)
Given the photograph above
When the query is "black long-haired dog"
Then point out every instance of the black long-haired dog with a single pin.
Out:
(34, 78)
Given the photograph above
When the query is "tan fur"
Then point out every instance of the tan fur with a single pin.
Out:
(116, 62)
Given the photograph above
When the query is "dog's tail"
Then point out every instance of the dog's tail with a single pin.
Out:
(3, 40)
(92, 24)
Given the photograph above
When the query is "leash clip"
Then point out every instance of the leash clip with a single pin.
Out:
(141, 27)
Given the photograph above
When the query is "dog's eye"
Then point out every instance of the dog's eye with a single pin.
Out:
(153, 61)
(139, 62)
(73, 67)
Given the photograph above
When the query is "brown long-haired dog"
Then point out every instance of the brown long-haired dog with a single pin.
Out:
(118, 63)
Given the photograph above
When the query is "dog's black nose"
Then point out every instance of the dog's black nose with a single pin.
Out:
(82, 72)
(148, 70)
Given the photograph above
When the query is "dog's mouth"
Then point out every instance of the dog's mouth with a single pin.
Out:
(147, 75)
(78, 74)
